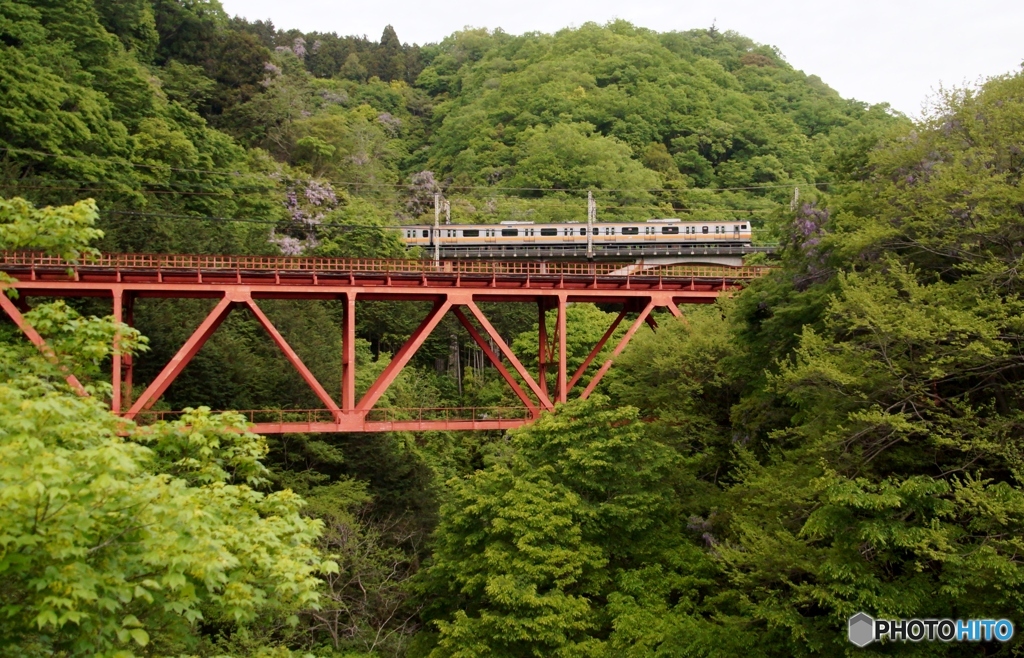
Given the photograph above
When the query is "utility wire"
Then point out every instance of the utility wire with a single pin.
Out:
(358, 184)
(236, 193)
(285, 223)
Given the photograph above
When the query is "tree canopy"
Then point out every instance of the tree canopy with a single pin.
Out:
(842, 435)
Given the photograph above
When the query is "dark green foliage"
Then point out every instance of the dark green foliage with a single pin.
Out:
(843, 435)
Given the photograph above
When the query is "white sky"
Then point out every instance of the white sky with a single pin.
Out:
(895, 51)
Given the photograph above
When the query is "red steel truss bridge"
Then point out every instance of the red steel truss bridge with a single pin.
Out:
(457, 287)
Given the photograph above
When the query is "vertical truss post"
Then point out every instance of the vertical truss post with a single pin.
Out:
(177, 363)
(618, 349)
(403, 355)
(348, 354)
(127, 359)
(562, 388)
(115, 375)
(38, 341)
(542, 347)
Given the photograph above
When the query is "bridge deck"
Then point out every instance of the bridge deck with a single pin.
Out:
(450, 286)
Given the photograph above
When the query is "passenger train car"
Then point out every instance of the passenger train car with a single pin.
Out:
(655, 237)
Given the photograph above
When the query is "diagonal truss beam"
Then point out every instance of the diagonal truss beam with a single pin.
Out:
(594, 352)
(674, 310)
(184, 355)
(37, 340)
(403, 355)
(618, 348)
(542, 397)
(292, 357)
(496, 362)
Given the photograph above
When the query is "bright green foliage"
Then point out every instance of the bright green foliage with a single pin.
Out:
(527, 546)
(62, 230)
(100, 550)
(115, 538)
(699, 109)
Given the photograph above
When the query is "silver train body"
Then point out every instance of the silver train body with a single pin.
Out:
(601, 241)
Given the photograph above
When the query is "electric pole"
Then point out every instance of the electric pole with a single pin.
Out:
(591, 218)
(437, 229)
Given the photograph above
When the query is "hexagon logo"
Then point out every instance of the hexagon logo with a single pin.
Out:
(861, 629)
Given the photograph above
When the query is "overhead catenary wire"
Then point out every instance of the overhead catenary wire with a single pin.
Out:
(539, 201)
(274, 222)
(343, 228)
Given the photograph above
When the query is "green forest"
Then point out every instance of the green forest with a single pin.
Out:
(842, 435)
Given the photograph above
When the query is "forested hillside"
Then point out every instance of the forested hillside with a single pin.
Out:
(843, 435)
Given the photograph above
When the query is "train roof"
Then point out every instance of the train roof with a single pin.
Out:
(669, 220)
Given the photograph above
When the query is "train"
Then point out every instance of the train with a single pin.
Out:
(576, 240)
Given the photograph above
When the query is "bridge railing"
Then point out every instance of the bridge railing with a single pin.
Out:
(326, 266)
(384, 415)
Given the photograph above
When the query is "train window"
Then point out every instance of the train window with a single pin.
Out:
(548, 232)
(670, 230)
(630, 230)
(743, 226)
(583, 231)
(704, 229)
(509, 232)
(426, 233)
(470, 233)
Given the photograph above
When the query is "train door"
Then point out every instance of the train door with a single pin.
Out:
(736, 231)
(490, 236)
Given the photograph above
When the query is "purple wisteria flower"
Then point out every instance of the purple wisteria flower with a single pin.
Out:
(306, 210)
(809, 225)
(422, 188)
(390, 123)
(320, 193)
(339, 98)
(288, 245)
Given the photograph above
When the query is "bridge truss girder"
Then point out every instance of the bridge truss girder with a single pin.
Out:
(448, 293)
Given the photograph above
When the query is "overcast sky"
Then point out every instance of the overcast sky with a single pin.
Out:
(895, 51)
